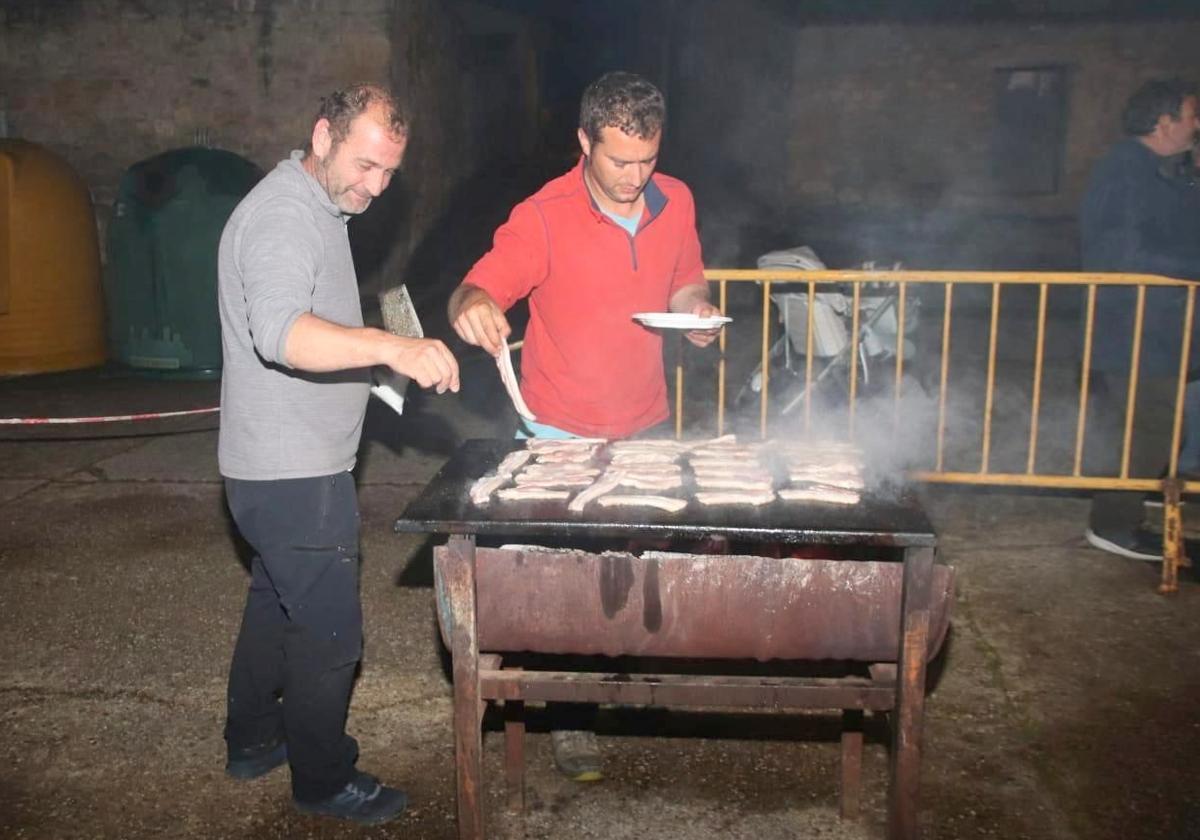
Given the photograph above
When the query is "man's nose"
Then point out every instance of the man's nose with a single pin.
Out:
(376, 183)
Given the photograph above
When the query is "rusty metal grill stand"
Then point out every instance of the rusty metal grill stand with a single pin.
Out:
(478, 679)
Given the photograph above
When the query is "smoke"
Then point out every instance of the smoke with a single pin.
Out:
(893, 436)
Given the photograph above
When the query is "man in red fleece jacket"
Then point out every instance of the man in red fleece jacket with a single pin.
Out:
(589, 249)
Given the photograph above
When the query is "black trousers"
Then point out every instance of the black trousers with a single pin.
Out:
(301, 636)
(1116, 511)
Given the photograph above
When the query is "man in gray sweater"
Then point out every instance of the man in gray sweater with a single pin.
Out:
(294, 390)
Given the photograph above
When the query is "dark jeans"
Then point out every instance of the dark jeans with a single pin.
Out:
(301, 636)
(1116, 511)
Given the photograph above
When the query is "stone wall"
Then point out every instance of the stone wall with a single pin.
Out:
(865, 141)
(875, 141)
(107, 83)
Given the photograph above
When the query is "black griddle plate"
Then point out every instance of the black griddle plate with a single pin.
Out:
(893, 518)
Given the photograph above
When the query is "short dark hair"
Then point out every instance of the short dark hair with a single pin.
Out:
(625, 101)
(342, 106)
(1153, 99)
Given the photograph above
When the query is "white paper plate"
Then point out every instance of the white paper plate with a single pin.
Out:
(680, 320)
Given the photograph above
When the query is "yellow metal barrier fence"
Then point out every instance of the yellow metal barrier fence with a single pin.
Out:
(903, 283)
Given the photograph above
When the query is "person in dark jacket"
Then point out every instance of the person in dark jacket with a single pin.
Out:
(1139, 217)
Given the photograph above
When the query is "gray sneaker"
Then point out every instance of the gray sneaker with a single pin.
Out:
(577, 754)
(1136, 545)
(1154, 502)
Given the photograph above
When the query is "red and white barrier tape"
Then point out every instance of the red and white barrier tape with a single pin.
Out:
(114, 418)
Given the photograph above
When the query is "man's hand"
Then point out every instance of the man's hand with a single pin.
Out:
(694, 301)
(317, 345)
(425, 360)
(478, 319)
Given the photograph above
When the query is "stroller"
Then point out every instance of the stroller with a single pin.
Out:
(832, 320)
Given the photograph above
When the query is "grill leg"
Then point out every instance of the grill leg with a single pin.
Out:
(1174, 554)
(910, 695)
(464, 646)
(514, 754)
(852, 747)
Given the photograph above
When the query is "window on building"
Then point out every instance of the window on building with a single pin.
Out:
(1030, 125)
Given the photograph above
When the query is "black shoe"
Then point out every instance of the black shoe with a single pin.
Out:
(1136, 545)
(363, 800)
(255, 761)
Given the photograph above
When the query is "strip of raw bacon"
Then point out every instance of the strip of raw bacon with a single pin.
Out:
(830, 462)
(723, 440)
(509, 377)
(641, 482)
(846, 482)
(566, 456)
(602, 485)
(838, 461)
(565, 482)
(724, 466)
(741, 469)
(840, 471)
(513, 461)
(719, 453)
(815, 445)
(835, 462)
(481, 490)
(524, 494)
(820, 493)
(752, 485)
(659, 441)
(623, 458)
(667, 503)
(732, 497)
(670, 451)
(535, 472)
(649, 470)
(540, 445)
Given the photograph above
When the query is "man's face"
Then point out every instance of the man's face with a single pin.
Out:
(360, 167)
(619, 164)
(1180, 134)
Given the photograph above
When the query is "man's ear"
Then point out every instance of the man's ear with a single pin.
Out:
(584, 143)
(322, 141)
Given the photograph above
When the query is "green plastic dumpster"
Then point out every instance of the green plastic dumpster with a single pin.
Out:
(161, 279)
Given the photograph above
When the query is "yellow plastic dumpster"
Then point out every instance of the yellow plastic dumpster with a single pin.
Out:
(51, 303)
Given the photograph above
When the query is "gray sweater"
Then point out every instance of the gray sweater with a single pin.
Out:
(285, 251)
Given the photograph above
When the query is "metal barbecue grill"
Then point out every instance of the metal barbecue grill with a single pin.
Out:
(889, 608)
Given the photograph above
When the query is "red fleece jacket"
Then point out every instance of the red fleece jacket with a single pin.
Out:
(586, 366)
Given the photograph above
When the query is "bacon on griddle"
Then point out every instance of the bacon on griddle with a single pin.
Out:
(647, 482)
(734, 497)
(524, 494)
(481, 491)
(756, 484)
(559, 483)
(566, 456)
(602, 485)
(668, 503)
(513, 461)
(820, 493)
(538, 472)
(540, 445)
(647, 457)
